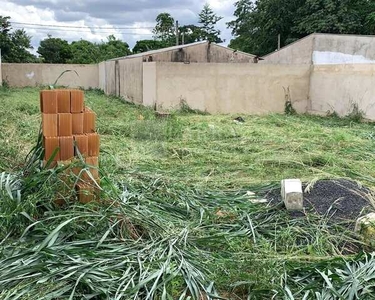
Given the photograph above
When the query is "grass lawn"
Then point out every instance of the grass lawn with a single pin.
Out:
(183, 216)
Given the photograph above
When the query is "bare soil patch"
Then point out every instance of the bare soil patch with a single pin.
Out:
(338, 200)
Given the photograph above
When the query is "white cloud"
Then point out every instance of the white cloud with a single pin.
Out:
(106, 14)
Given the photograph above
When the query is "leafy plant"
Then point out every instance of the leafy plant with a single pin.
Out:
(339, 279)
(5, 85)
(289, 109)
(186, 109)
(356, 115)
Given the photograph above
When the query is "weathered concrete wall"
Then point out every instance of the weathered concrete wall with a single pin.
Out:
(1, 77)
(110, 84)
(131, 79)
(299, 52)
(23, 75)
(338, 88)
(326, 49)
(201, 53)
(102, 75)
(194, 54)
(124, 76)
(150, 82)
(220, 54)
(226, 88)
(343, 49)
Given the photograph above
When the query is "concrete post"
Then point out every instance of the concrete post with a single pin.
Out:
(365, 226)
(292, 195)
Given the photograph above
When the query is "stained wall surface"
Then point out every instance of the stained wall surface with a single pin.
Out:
(124, 76)
(226, 88)
(102, 76)
(342, 88)
(23, 75)
(299, 52)
(131, 79)
(319, 48)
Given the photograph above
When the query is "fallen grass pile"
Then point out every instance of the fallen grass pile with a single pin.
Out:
(140, 245)
(179, 216)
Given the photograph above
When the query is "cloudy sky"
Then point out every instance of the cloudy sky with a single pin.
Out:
(130, 20)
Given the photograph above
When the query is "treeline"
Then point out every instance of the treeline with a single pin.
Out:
(15, 45)
(258, 23)
(255, 29)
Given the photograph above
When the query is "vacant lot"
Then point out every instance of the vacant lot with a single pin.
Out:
(185, 213)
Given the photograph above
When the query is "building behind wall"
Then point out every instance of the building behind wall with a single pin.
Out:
(326, 49)
(124, 76)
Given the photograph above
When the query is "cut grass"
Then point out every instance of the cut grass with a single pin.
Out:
(179, 181)
(203, 150)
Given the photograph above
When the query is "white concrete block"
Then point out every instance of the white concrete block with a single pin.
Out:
(291, 193)
(366, 226)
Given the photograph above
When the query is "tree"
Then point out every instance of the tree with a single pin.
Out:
(5, 25)
(14, 45)
(209, 19)
(345, 16)
(192, 34)
(113, 48)
(147, 45)
(20, 43)
(258, 24)
(370, 22)
(84, 52)
(5, 43)
(164, 30)
(55, 50)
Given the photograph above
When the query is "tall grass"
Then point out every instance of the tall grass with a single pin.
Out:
(177, 216)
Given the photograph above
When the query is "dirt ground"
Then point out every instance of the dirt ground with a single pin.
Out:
(338, 200)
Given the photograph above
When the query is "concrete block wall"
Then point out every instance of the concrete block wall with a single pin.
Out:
(318, 49)
(342, 71)
(222, 86)
(341, 88)
(299, 52)
(225, 88)
(1, 77)
(102, 75)
(23, 75)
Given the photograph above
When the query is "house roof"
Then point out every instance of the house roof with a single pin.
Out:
(238, 51)
(152, 52)
(161, 50)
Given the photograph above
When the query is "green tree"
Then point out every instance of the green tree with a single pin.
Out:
(147, 45)
(344, 16)
(192, 34)
(258, 24)
(208, 18)
(15, 45)
(164, 30)
(20, 44)
(5, 25)
(55, 50)
(84, 52)
(370, 22)
(5, 43)
(113, 48)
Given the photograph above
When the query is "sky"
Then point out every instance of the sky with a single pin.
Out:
(128, 20)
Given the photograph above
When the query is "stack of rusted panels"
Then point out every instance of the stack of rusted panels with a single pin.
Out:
(69, 132)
